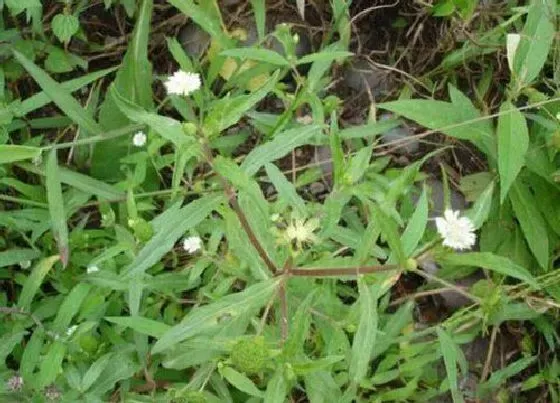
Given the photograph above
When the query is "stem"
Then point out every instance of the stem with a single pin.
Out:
(232, 197)
(455, 288)
(341, 271)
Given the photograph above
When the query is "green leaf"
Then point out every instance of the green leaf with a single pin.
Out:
(41, 99)
(277, 388)
(453, 120)
(531, 221)
(168, 128)
(369, 130)
(207, 15)
(286, 190)
(536, 39)
(359, 164)
(480, 211)
(260, 55)
(51, 365)
(241, 382)
(325, 56)
(11, 153)
(15, 256)
(228, 110)
(59, 95)
(140, 324)
(390, 232)
(490, 262)
(202, 318)
(364, 339)
(70, 307)
(95, 371)
(170, 230)
(498, 377)
(33, 282)
(64, 26)
(31, 356)
(513, 142)
(120, 367)
(449, 351)
(82, 182)
(416, 225)
(7, 343)
(259, 11)
(56, 207)
(280, 145)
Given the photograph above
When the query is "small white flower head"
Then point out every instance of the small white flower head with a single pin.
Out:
(92, 268)
(301, 231)
(305, 119)
(182, 83)
(139, 139)
(26, 264)
(192, 244)
(70, 331)
(275, 217)
(15, 383)
(457, 232)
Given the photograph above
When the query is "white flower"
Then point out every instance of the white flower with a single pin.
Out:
(139, 139)
(92, 269)
(182, 83)
(26, 264)
(70, 331)
(457, 233)
(301, 231)
(305, 119)
(15, 383)
(192, 244)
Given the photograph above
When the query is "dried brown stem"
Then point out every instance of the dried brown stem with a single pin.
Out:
(232, 197)
(341, 271)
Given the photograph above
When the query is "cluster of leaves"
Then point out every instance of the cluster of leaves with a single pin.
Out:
(288, 296)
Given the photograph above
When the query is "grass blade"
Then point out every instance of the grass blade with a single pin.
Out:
(56, 207)
(513, 142)
(33, 282)
(449, 352)
(59, 95)
(13, 153)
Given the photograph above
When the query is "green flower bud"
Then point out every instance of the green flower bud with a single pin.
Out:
(142, 229)
(189, 129)
(249, 355)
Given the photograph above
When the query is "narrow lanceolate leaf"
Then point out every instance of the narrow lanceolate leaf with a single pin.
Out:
(390, 232)
(531, 221)
(170, 231)
(490, 262)
(80, 181)
(364, 339)
(277, 388)
(70, 307)
(59, 95)
(281, 145)
(229, 307)
(41, 99)
(51, 365)
(56, 207)
(166, 127)
(95, 370)
(481, 209)
(416, 225)
(286, 190)
(141, 325)
(536, 38)
(449, 353)
(15, 256)
(261, 55)
(12, 153)
(513, 141)
(241, 382)
(33, 282)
